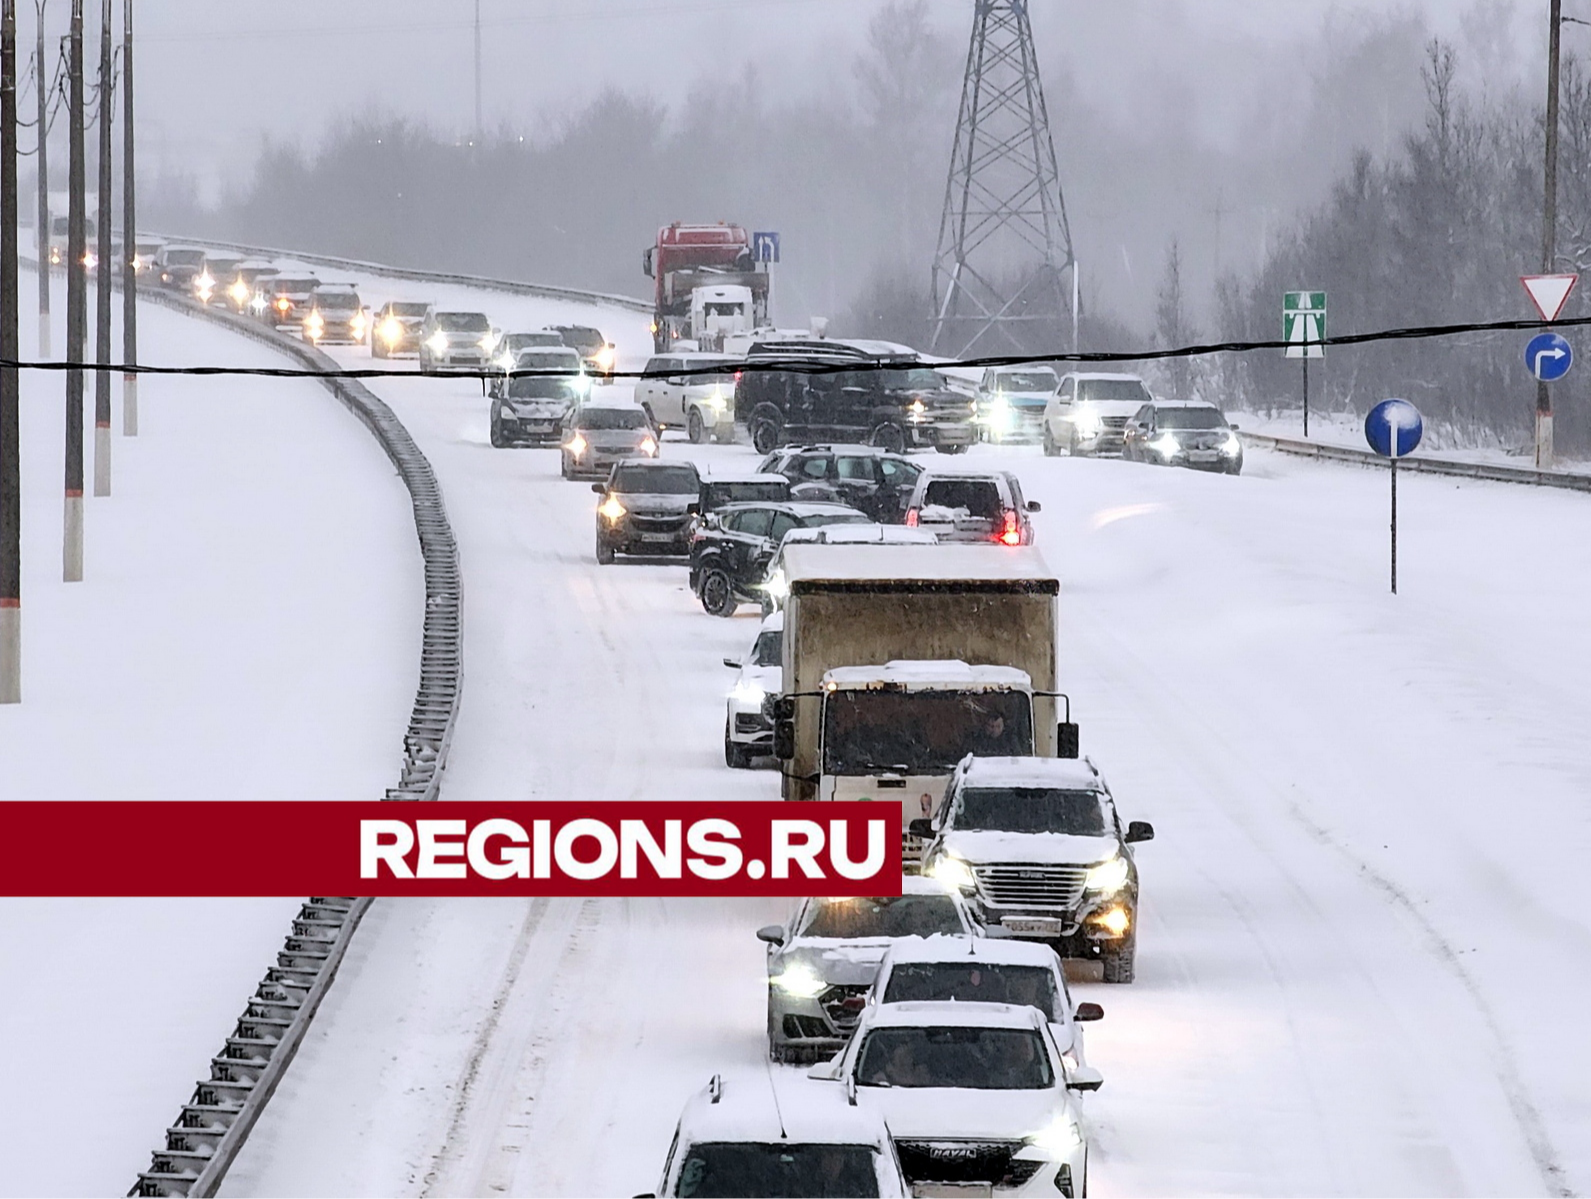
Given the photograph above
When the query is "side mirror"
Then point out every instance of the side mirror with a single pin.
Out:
(826, 1071)
(732, 664)
(784, 740)
(1066, 740)
(599, 489)
(1035, 506)
(1085, 1078)
(1140, 830)
(1233, 426)
(784, 707)
(694, 509)
(921, 827)
(771, 933)
(1088, 1011)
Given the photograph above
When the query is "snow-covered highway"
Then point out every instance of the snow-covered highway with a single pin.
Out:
(1364, 944)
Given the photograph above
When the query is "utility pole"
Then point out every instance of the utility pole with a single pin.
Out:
(129, 234)
(42, 87)
(10, 384)
(1549, 224)
(76, 308)
(478, 72)
(103, 267)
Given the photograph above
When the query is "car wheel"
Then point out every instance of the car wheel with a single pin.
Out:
(604, 553)
(497, 432)
(1073, 450)
(718, 594)
(695, 428)
(890, 438)
(376, 350)
(736, 756)
(951, 449)
(1119, 962)
(767, 432)
(563, 466)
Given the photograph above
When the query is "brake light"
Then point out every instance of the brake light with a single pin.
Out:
(737, 375)
(911, 518)
(1011, 534)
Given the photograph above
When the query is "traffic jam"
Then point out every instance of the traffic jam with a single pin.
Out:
(866, 507)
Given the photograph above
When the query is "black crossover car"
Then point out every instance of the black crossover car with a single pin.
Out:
(531, 410)
(1183, 433)
(734, 544)
(874, 481)
(647, 508)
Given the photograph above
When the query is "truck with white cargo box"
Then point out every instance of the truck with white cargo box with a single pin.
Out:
(898, 663)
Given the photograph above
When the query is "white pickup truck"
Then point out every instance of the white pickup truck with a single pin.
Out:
(690, 391)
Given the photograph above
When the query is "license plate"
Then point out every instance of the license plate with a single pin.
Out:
(1033, 928)
(658, 537)
(537, 426)
(1202, 455)
(947, 1190)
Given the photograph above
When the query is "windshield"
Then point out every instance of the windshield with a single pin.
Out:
(463, 322)
(184, 257)
(918, 379)
(337, 300)
(1132, 390)
(219, 267)
(401, 308)
(611, 418)
(293, 286)
(646, 479)
(581, 338)
(973, 982)
(740, 493)
(533, 387)
(983, 1059)
(542, 360)
(865, 732)
(1189, 418)
(1033, 810)
(975, 497)
(820, 519)
(1044, 380)
(722, 1170)
(769, 650)
(888, 916)
(517, 341)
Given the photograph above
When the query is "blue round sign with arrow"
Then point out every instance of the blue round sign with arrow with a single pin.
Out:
(1393, 428)
(1549, 356)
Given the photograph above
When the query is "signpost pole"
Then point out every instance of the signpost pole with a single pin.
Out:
(1306, 391)
(1394, 524)
(1549, 222)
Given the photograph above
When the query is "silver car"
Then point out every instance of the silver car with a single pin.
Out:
(456, 341)
(822, 964)
(598, 435)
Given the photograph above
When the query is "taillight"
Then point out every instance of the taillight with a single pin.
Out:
(737, 375)
(911, 518)
(1011, 534)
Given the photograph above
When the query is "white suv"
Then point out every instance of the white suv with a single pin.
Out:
(1089, 411)
(693, 392)
(748, 730)
(976, 1095)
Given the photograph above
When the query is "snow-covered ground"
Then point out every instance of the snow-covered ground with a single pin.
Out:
(1365, 949)
(248, 628)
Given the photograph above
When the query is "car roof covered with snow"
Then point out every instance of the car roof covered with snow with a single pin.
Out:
(801, 508)
(947, 1013)
(1005, 951)
(718, 474)
(1112, 375)
(908, 674)
(1071, 774)
(746, 1110)
(811, 566)
(1186, 404)
(870, 533)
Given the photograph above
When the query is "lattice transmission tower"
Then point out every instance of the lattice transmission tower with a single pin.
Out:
(1004, 275)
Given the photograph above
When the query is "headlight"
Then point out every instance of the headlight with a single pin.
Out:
(1165, 445)
(1232, 445)
(576, 445)
(204, 282)
(611, 509)
(605, 358)
(1115, 921)
(776, 585)
(917, 409)
(489, 342)
(581, 383)
(1109, 875)
(953, 872)
(438, 342)
(800, 981)
(1088, 422)
(648, 445)
(357, 325)
(748, 692)
(392, 330)
(314, 325)
(283, 304)
(505, 360)
(716, 400)
(1060, 1139)
(239, 291)
(1000, 412)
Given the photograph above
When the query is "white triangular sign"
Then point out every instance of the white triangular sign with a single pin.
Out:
(1548, 292)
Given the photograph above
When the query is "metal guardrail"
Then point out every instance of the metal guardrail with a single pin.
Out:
(211, 1128)
(1430, 466)
(512, 287)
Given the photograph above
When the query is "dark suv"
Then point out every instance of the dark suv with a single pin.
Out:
(1183, 433)
(800, 390)
(733, 546)
(878, 483)
(646, 508)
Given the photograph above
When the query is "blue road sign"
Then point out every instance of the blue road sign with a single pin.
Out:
(765, 247)
(1393, 428)
(1549, 357)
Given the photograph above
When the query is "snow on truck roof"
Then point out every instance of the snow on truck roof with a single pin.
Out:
(746, 1110)
(1000, 568)
(931, 673)
(1072, 774)
(1086, 375)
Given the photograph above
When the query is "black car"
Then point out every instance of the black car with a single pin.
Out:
(530, 410)
(1182, 433)
(874, 481)
(733, 546)
(719, 489)
(596, 351)
(646, 508)
(810, 390)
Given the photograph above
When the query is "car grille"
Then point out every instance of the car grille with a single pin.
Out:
(990, 1162)
(1020, 886)
(843, 1003)
(1115, 422)
(658, 524)
(747, 723)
